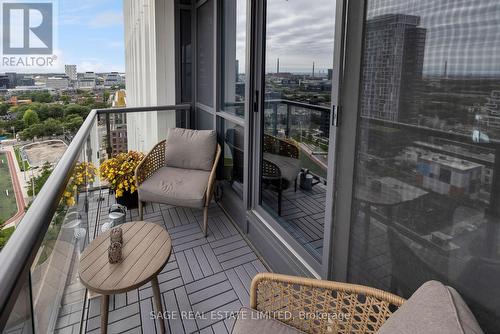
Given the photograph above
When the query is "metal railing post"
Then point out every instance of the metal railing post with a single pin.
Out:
(109, 150)
(288, 110)
(275, 119)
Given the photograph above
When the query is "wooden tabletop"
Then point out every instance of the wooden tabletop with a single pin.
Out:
(146, 250)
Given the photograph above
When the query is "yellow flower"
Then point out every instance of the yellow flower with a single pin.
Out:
(70, 201)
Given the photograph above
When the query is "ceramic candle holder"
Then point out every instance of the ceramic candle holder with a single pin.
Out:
(116, 235)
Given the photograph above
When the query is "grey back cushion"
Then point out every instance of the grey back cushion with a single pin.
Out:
(433, 309)
(190, 149)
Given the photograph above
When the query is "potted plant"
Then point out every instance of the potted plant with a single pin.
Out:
(84, 174)
(119, 172)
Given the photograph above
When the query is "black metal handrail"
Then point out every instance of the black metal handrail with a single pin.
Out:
(19, 253)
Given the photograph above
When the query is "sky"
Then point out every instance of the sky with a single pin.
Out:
(299, 34)
(86, 33)
(462, 34)
(91, 35)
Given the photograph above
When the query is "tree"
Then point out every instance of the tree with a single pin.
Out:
(65, 99)
(73, 122)
(52, 127)
(75, 109)
(105, 95)
(4, 108)
(30, 118)
(40, 180)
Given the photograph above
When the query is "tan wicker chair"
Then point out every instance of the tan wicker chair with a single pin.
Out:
(155, 160)
(349, 308)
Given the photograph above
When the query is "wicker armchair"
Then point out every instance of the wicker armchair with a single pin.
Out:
(155, 160)
(349, 308)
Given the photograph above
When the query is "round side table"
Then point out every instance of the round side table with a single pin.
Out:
(146, 250)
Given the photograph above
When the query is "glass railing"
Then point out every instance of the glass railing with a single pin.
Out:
(308, 125)
(294, 171)
(39, 273)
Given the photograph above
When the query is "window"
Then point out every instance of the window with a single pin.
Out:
(233, 56)
(437, 215)
(205, 53)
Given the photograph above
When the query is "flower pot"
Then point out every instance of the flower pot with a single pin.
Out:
(129, 200)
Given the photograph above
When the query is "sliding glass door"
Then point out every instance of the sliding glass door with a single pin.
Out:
(424, 200)
(294, 124)
(231, 115)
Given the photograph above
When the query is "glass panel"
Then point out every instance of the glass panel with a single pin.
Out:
(427, 185)
(58, 296)
(205, 120)
(233, 56)
(20, 318)
(299, 60)
(205, 53)
(233, 136)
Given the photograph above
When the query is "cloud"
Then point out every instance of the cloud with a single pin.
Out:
(300, 34)
(107, 19)
(95, 65)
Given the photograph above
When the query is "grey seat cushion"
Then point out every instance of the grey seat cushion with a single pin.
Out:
(433, 309)
(252, 321)
(289, 167)
(190, 149)
(175, 186)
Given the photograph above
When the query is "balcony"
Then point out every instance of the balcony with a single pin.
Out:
(39, 272)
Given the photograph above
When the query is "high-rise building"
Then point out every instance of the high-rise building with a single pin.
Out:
(70, 71)
(392, 65)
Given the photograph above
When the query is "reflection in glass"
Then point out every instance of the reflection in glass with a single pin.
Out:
(234, 136)
(204, 120)
(185, 55)
(296, 118)
(21, 318)
(205, 53)
(233, 56)
(427, 185)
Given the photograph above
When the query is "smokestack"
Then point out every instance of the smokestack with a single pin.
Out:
(278, 66)
(313, 70)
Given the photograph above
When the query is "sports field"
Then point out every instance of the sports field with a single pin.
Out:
(8, 206)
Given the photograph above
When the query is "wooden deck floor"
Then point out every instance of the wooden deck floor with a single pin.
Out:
(205, 277)
(302, 215)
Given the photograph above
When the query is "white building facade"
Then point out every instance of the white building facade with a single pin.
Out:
(150, 65)
(71, 72)
(57, 82)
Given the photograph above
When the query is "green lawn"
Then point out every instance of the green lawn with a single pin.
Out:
(8, 205)
(5, 235)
